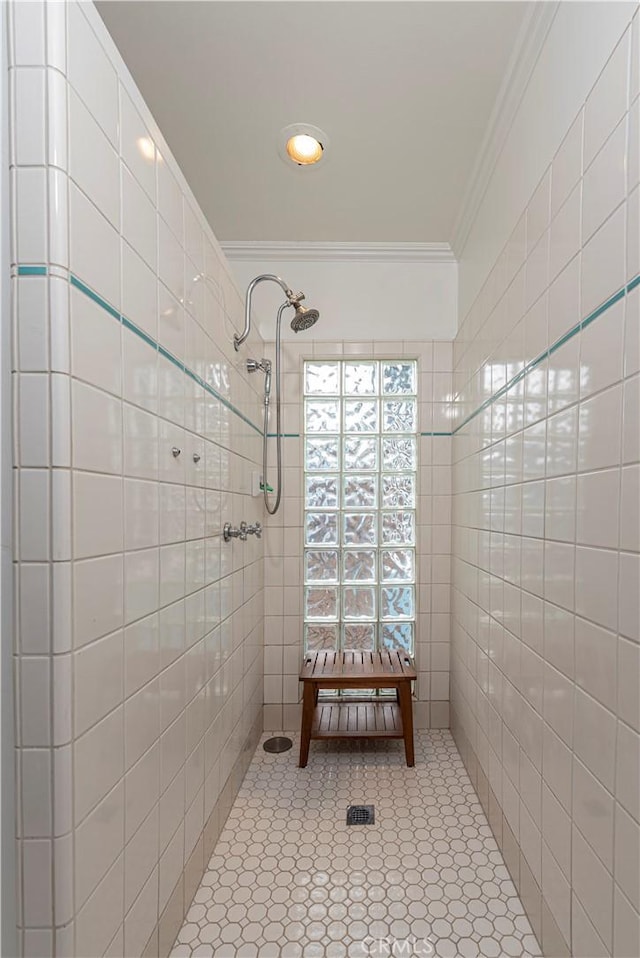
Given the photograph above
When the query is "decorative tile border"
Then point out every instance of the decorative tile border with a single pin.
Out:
(578, 327)
(32, 270)
(38, 270)
(298, 435)
(128, 324)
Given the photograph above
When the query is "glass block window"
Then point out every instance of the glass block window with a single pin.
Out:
(360, 461)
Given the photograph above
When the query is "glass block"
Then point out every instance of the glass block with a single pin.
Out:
(358, 602)
(399, 454)
(399, 528)
(399, 415)
(321, 415)
(358, 637)
(397, 565)
(360, 379)
(321, 603)
(360, 491)
(359, 565)
(322, 492)
(397, 636)
(399, 491)
(321, 528)
(322, 379)
(359, 529)
(361, 415)
(397, 602)
(321, 566)
(399, 378)
(318, 637)
(321, 455)
(360, 454)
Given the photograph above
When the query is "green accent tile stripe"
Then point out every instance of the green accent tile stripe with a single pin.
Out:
(139, 332)
(602, 309)
(128, 324)
(578, 327)
(98, 300)
(32, 270)
(170, 357)
(296, 435)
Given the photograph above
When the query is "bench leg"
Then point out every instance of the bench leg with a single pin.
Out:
(406, 712)
(308, 708)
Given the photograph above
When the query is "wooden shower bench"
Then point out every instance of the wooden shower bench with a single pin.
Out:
(348, 719)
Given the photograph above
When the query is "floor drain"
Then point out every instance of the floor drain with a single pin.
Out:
(361, 815)
(277, 744)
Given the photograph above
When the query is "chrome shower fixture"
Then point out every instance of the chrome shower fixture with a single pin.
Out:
(303, 319)
(242, 531)
(253, 365)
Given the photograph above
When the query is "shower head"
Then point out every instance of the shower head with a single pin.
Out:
(304, 318)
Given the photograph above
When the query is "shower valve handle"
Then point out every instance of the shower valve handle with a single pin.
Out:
(255, 529)
(231, 532)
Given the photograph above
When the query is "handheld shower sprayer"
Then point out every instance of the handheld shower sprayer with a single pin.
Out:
(303, 318)
(253, 365)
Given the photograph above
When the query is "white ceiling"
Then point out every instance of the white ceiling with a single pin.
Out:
(404, 91)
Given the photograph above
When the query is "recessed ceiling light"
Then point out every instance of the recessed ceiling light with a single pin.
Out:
(304, 149)
(302, 145)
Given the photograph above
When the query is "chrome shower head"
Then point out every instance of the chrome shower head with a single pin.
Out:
(304, 318)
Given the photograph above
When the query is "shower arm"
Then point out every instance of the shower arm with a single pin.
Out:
(291, 297)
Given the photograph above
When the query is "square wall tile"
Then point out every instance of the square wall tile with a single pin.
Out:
(91, 73)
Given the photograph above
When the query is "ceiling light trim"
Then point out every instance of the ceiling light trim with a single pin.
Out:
(277, 251)
(302, 129)
(525, 54)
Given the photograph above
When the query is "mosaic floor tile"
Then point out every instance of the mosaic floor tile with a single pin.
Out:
(290, 879)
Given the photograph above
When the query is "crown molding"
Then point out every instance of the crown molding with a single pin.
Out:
(524, 56)
(275, 251)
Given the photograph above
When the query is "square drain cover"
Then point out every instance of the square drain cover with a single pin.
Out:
(361, 815)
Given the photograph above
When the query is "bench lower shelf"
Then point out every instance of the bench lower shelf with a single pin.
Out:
(357, 720)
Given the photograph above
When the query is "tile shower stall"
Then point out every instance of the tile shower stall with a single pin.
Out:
(149, 656)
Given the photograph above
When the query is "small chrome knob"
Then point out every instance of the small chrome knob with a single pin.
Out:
(230, 532)
(196, 457)
(175, 452)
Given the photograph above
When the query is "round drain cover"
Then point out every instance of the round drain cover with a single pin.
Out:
(277, 744)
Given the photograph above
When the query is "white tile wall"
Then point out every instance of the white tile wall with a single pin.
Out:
(550, 722)
(139, 633)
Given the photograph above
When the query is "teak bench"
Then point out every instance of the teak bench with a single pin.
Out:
(345, 719)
